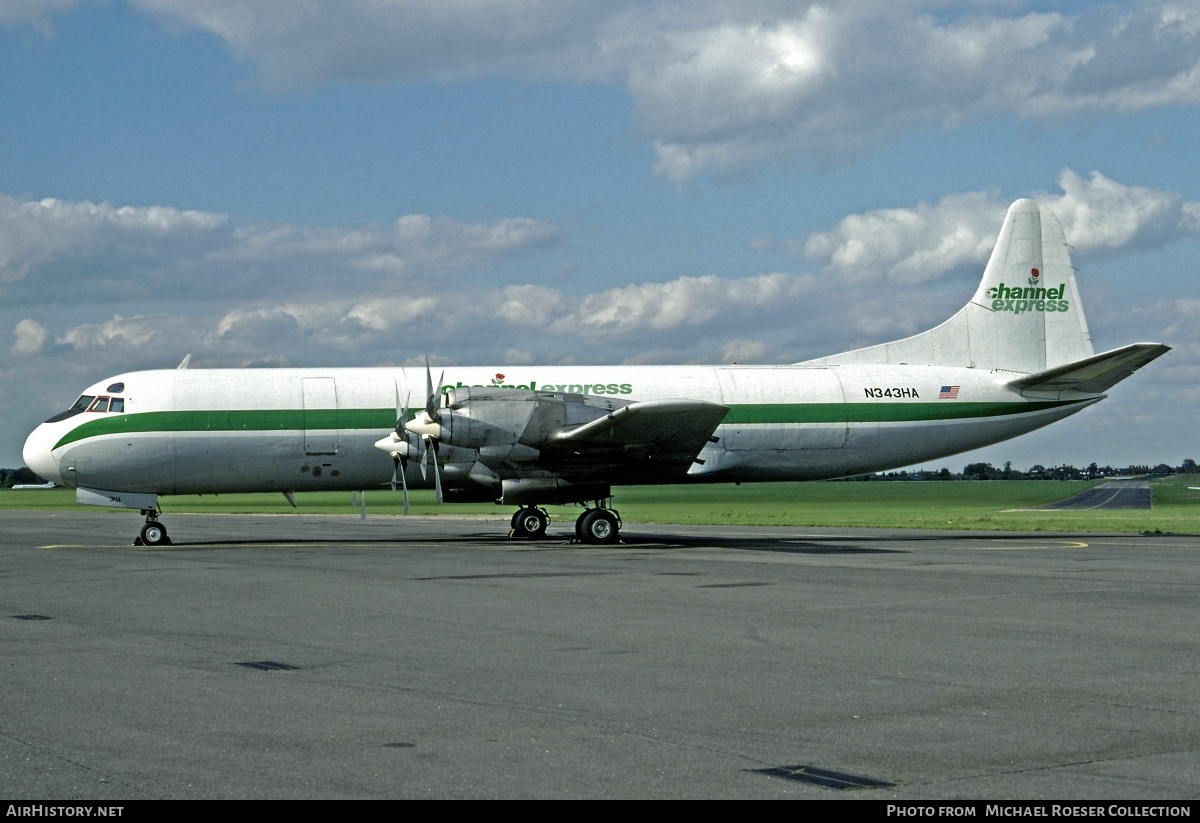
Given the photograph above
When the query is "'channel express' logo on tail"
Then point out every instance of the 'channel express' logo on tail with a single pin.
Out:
(1034, 297)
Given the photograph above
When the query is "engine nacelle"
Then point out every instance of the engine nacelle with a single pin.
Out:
(519, 420)
(526, 491)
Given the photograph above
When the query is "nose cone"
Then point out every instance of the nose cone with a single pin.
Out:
(38, 456)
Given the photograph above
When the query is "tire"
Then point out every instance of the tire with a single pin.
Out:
(154, 534)
(530, 522)
(599, 526)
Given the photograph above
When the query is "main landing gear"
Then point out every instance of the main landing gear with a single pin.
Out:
(530, 522)
(153, 533)
(596, 525)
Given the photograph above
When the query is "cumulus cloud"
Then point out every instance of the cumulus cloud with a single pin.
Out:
(743, 351)
(925, 242)
(92, 251)
(1099, 214)
(120, 332)
(684, 302)
(831, 83)
(31, 337)
(724, 89)
(909, 245)
(307, 44)
(34, 233)
(380, 293)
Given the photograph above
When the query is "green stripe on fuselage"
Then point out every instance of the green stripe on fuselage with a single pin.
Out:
(267, 420)
(382, 419)
(749, 413)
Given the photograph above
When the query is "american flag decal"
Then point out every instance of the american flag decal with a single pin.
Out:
(948, 393)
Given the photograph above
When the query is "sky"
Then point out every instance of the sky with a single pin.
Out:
(301, 183)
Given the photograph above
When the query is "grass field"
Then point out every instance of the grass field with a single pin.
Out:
(918, 505)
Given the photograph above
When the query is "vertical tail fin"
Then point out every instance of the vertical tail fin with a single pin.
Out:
(1024, 317)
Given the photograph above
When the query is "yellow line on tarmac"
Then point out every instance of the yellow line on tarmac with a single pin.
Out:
(1065, 544)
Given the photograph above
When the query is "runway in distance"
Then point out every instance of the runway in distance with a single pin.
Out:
(1016, 357)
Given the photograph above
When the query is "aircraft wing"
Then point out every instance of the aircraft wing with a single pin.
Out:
(664, 430)
(1094, 374)
(541, 440)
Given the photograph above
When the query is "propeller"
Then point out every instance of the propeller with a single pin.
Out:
(432, 402)
(428, 426)
(400, 459)
(420, 437)
(399, 445)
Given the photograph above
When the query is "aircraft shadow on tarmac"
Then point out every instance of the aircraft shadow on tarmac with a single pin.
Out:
(781, 544)
(883, 542)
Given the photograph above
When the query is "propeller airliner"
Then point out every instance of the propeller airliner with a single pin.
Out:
(1016, 357)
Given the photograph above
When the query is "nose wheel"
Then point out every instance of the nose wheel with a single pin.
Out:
(153, 533)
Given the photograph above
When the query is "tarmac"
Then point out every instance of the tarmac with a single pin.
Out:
(299, 656)
(1111, 494)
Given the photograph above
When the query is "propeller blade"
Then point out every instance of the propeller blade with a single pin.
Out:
(401, 411)
(428, 386)
(432, 397)
(437, 477)
(404, 482)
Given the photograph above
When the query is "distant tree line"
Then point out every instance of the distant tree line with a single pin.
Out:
(986, 471)
(14, 477)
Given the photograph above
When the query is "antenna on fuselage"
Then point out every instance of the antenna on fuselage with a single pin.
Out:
(183, 364)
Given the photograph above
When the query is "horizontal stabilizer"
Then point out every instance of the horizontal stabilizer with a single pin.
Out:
(677, 426)
(1095, 374)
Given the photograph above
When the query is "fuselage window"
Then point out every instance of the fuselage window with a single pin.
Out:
(117, 404)
(101, 405)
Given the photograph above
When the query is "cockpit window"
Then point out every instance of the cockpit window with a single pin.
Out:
(117, 404)
(116, 388)
(101, 405)
(81, 405)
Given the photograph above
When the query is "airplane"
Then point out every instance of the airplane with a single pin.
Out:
(1016, 357)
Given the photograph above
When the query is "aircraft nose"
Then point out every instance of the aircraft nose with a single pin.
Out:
(38, 456)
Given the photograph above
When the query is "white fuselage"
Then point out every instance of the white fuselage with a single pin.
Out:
(219, 431)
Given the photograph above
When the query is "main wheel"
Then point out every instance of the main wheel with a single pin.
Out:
(599, 526)
(154, 534)
(530, 522)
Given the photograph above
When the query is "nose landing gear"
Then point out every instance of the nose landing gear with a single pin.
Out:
(153, 533)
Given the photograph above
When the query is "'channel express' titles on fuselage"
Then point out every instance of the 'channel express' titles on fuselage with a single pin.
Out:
(534, 385)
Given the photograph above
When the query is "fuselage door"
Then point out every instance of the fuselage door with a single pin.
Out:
(320, 415)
